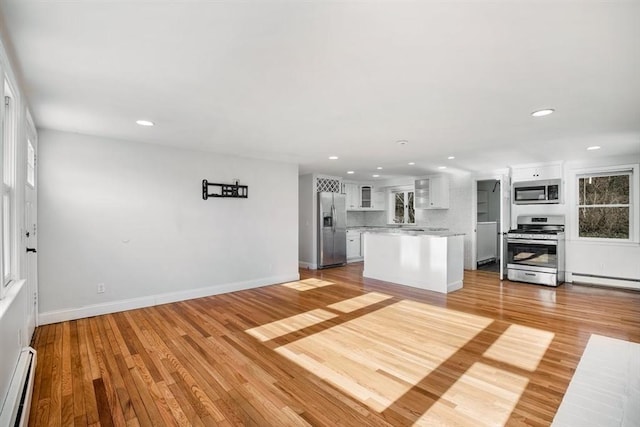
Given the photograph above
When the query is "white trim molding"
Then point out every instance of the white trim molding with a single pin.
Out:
(593, 279)
(307, 265)
(152, 300)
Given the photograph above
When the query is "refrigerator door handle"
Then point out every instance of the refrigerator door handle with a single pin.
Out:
(333, 218)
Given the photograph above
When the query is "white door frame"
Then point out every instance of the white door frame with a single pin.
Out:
(30, 226)
(505, 215)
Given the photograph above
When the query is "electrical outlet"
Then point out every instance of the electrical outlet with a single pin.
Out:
(100, 288)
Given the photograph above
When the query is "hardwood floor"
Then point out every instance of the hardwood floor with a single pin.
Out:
(332, 349)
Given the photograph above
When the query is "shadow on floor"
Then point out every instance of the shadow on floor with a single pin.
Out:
(492, 266)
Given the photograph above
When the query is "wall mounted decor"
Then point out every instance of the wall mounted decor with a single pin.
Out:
(224, 190)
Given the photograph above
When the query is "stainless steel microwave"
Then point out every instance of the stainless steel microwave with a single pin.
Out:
(537, 192)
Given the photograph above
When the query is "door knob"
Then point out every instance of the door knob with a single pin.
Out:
(32, 250)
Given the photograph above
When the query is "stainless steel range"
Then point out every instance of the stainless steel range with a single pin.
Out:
(535, 250)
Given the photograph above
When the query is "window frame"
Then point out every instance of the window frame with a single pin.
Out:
(30, 173)
(634, 201)
(391, 211)
(8, 147)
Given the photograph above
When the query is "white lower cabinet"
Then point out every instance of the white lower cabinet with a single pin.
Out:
(354, 248)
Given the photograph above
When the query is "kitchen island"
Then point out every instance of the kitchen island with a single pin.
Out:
(423, 259)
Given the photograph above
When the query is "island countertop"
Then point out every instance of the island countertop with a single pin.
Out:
(415, 232)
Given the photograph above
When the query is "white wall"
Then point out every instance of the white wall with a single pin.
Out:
(131, 216)
(14, 331)
(307, 221)
(606, 259)
(609, 259)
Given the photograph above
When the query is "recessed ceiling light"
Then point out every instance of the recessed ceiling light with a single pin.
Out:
(451, 157)
(411, 163)
(350, 172)
(375, 175)
(593, 147)
(402, 142)
(542, 113)
(145, 122)
(379, 168)
(442, 167)
(333, 157)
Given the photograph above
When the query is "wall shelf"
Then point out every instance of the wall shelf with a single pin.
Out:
(224, 190)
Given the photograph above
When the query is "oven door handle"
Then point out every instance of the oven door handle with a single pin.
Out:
(534, 242)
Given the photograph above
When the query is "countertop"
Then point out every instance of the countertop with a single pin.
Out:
(408, 231)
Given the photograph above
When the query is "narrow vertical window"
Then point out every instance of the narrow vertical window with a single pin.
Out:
(8, 186)
(31, 164)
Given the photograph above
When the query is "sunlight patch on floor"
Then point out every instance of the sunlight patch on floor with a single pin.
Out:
(353, 304)
(378, 357)
(290, 324)
(521, 346)
(483, 396)
(307, 284)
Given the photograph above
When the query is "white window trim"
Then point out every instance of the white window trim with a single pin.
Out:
(7, 76)
(9, 277)
(634, 202)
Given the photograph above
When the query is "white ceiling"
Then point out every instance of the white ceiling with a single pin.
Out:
(300, 81)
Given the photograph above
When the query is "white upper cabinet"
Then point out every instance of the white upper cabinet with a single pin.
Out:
(536, 172)
(378, 202)
(432, 192)
(353, 196)
(363, 197)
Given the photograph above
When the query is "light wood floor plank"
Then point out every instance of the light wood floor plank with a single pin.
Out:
(331, 349)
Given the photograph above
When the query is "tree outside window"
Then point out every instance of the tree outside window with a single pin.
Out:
(604, 206)
(404, 211)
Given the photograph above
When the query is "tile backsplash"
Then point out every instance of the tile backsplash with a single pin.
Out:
(362, 218)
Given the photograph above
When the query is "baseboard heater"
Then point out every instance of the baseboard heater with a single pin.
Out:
(594, 279)
(15, 412)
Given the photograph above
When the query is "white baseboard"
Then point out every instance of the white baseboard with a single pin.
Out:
(454, 286)
(151, 300)
(307, 265)
(589, 279)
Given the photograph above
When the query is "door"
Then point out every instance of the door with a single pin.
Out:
(505, 223)
(30, 235)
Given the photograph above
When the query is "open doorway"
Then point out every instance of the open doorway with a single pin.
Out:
(488, 225)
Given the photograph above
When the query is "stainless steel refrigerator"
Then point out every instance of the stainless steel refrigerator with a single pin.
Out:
(332, 229)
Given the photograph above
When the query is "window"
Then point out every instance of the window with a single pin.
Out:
(31, 164)
(605, 205)
(8, 186)
(402, 207)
